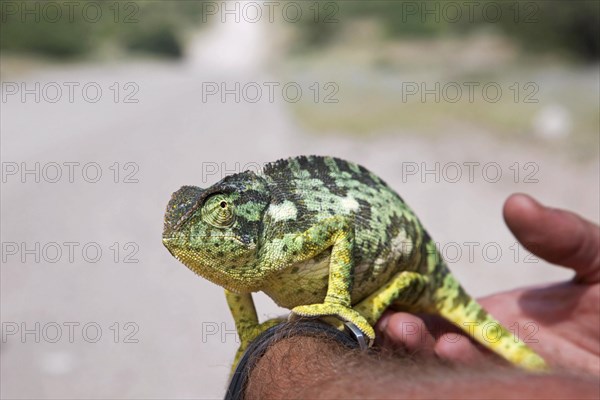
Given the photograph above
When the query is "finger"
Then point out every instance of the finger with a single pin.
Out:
(458, 348)
(452, 343)
(428, 334)
(557, 236)
(404, 330)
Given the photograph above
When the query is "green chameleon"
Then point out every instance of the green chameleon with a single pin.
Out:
(322, 237)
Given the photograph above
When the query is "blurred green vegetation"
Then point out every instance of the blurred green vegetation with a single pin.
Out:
(54, 29)
(567, 27)
(375, 47)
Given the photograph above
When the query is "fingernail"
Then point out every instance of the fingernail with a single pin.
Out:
(383, 322)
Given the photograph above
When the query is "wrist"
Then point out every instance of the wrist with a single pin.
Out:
(277, 349)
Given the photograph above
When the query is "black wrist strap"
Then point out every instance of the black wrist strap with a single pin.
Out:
(350, 338)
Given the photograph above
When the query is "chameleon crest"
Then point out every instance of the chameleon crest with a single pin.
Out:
(322, 237)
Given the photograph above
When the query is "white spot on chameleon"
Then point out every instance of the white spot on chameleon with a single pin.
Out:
(283, 212)
(350, 204)
(401, 244)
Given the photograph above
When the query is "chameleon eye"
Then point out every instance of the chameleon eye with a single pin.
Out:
(218, 212)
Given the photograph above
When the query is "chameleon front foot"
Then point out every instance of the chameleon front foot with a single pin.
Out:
(343, 313)
(248, 334)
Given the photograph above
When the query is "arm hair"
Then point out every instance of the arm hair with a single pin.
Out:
(320, 368)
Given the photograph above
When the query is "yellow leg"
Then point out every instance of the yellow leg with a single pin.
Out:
(246, 321)
(337, 301)
(404, 288)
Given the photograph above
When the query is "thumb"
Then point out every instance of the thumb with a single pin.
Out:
(557, 236)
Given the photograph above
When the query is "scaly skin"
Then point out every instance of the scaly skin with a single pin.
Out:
(323, 237)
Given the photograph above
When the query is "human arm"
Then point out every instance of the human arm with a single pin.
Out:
(318, 368)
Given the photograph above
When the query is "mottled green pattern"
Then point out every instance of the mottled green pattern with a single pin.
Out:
(321, 236)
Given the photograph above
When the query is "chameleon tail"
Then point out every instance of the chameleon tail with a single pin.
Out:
(448, 299)
(462, 310)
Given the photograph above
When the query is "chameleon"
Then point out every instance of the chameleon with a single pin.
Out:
(323, 237)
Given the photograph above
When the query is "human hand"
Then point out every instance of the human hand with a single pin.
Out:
(566, 315)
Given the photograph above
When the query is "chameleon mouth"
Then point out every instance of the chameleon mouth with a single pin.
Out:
(203, 269)
(166, 242)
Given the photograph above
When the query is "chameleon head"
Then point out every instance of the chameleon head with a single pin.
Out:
(215, 231)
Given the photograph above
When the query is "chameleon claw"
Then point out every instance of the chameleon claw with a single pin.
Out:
(339, 311)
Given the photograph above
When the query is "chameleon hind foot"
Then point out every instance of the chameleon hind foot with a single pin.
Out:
(403, 289)
(337, 310)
